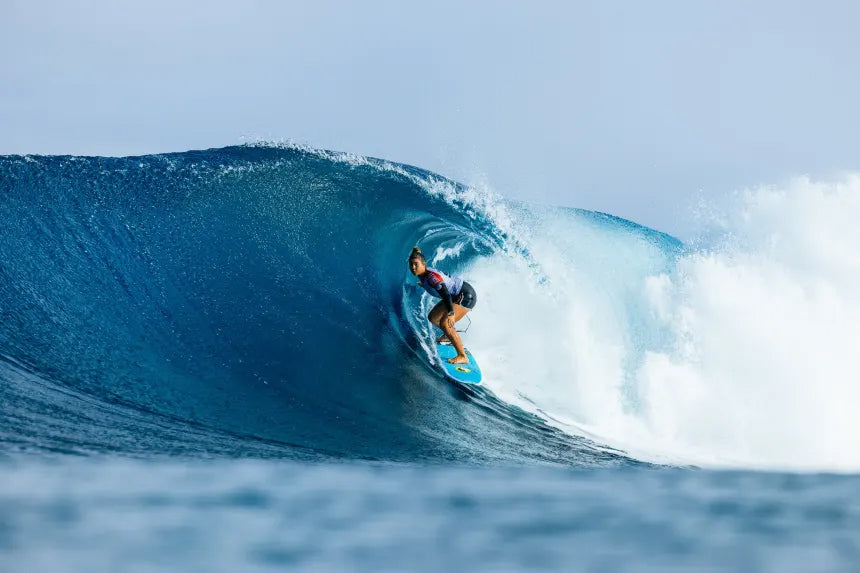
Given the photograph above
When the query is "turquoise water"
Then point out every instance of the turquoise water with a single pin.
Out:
(218, 361)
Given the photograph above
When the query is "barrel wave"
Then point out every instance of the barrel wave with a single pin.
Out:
(256, 301)
(246, 301)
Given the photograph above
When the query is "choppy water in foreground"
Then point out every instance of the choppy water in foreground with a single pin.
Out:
(108, 514)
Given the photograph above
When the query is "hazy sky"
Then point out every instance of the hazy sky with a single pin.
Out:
(634, 108)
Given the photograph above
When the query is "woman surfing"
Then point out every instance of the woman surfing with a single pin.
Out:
(458, 298)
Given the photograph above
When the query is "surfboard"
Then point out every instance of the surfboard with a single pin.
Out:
(463, 373)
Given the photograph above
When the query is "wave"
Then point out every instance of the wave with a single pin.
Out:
(256, 300)
(240, 301)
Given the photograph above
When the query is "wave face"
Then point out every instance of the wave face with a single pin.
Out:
(241, 301)
(255, 301)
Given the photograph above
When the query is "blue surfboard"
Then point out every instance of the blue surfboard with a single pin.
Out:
(464, 373)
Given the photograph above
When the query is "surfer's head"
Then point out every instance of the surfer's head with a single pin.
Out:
(417, 262)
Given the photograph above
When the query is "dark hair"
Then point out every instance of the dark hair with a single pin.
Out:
(417, 254)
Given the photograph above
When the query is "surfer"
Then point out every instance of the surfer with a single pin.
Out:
(458, 298)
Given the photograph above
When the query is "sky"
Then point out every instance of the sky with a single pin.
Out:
(639, 109)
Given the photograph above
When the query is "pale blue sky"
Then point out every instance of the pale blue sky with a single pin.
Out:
(633, 108)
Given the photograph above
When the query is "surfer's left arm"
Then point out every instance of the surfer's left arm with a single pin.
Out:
(436, 283)
(446, 298)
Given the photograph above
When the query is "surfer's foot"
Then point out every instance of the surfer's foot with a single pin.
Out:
(459, 359)
(443, 339)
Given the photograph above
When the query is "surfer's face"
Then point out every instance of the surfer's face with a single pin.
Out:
(417, 266)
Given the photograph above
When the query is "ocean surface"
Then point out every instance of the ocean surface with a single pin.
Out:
(218, 360)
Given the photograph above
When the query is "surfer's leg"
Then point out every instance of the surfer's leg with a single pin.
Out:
(438, 314)
(467, 298)
(454, 336)
(460, 312)
(435, 317)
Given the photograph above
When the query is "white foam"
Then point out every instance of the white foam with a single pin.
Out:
(764, 367)
(743, 355)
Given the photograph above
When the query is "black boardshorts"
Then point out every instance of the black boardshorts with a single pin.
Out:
(467, 297)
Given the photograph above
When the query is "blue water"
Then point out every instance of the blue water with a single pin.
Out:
(213, 360)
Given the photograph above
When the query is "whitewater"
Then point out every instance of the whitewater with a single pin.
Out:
(734, 351)
(233, 336)
(737, 350)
